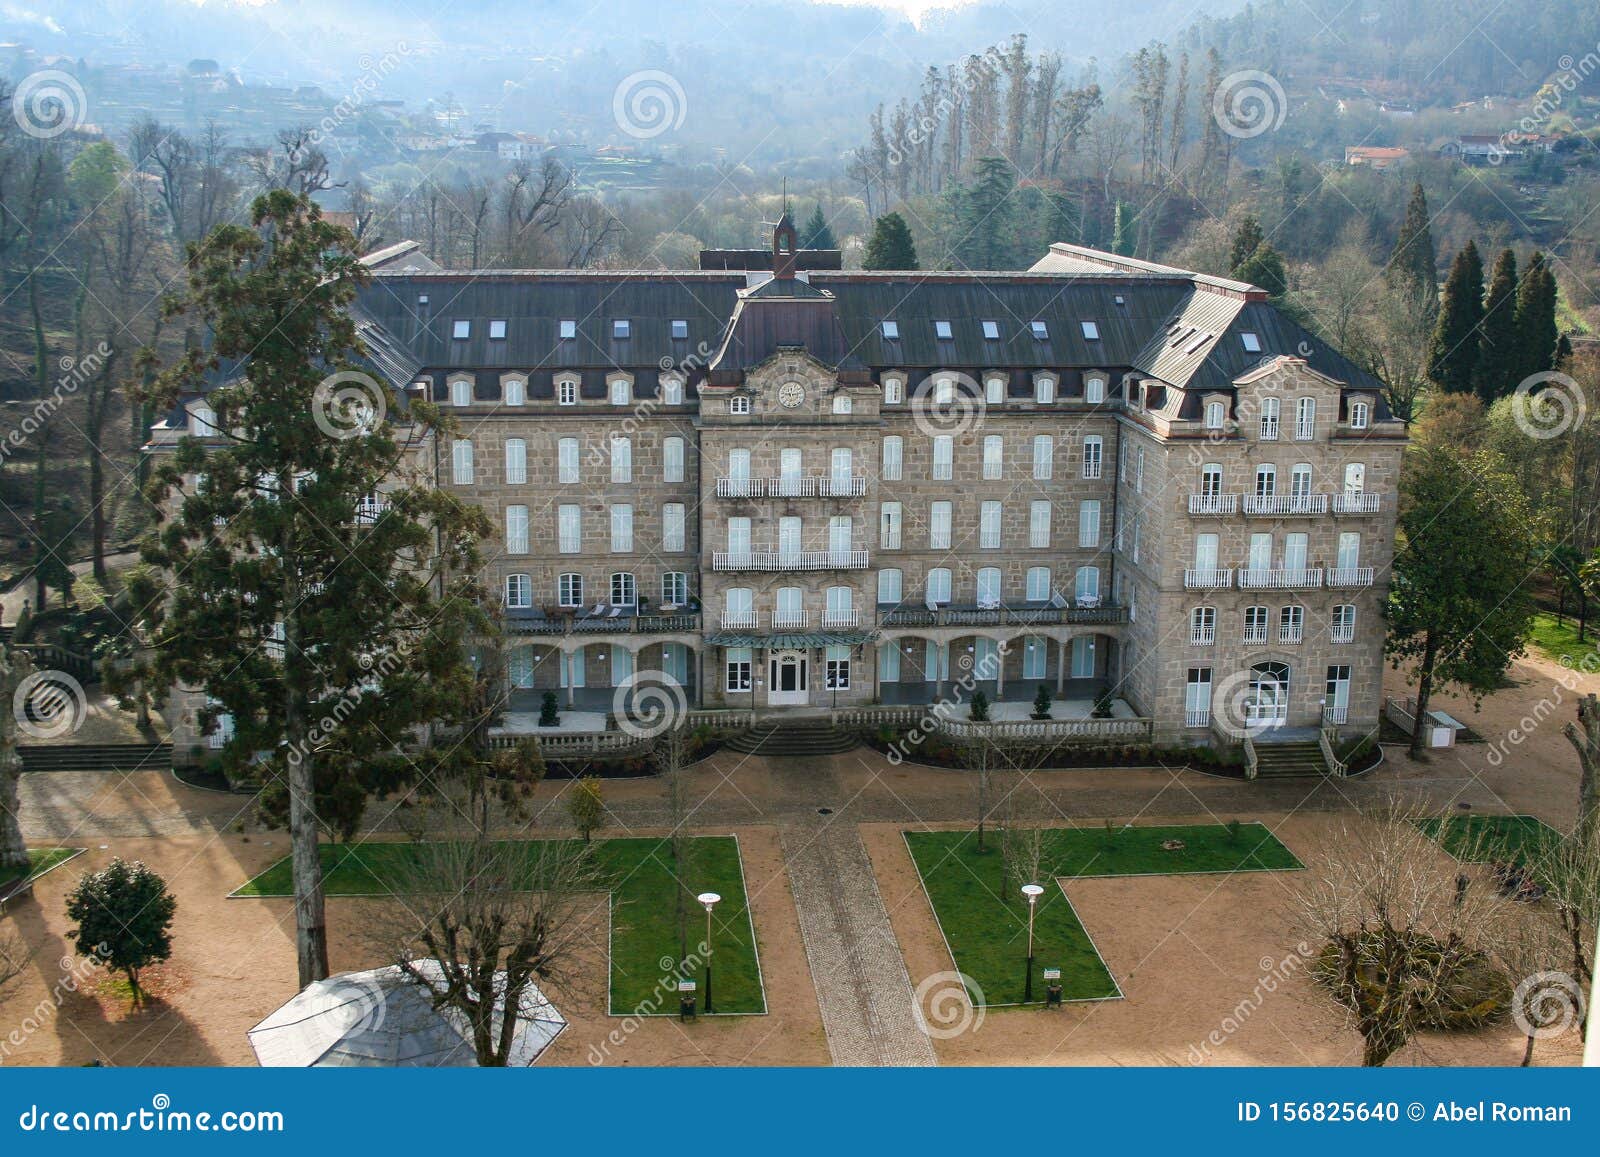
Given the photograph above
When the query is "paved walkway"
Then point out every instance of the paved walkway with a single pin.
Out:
(863, 990)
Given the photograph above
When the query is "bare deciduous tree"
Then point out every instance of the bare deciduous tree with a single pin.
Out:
(1404, 933)
(481, 921)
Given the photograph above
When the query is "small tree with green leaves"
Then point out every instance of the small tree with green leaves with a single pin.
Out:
(890, 246)
(1041, 702)
(549, 715)
(1458, 608)
(980, 706)
(124, 917)
(586, 806)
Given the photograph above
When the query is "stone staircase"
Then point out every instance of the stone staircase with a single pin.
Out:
(800, 739)
(95, 756)
(1289, 759)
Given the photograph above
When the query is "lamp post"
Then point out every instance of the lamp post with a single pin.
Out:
(1032, 892)
(710, 900)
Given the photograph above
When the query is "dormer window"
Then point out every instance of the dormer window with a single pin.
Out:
(1094, 390)
(621, 329)
(567, 392)
(991, 331)
(1091, 331)
(1360, 415)
(891, 331)
(893, 391)
(1044, 390)
(1215, 413)
(739, 405)
(461, 331)
(1041, 332)
(1251, 342)
(461, 392)
(621, 391)
(515, 391)
(942, 331)
(994, 390)
(202, 420)
(671, 392)
(497, 329)
(680, 329)
(569, 329)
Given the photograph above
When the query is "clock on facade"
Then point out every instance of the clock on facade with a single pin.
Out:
(791, 394)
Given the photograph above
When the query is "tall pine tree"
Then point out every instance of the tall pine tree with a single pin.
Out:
(1536, 318)
(816, 234)
(1413, 265)
(986, 218)
(1499, 351)
(1454, 356)
(890, 246)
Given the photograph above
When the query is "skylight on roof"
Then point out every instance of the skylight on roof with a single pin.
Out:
(461, 331)
(1182, 337)
(991, 331)
(422, 299)
(942, 330)
(1200, 339)
(1252, 342)
(680, 328)
(1119, 299)
(621, 328)
(569, 328)
(1091, 331)
(1041, 332)
(891, 331)
(497, 329)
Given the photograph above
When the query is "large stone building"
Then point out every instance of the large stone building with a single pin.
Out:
(783, 485)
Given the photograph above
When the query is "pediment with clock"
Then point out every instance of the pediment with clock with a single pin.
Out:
(793, 384)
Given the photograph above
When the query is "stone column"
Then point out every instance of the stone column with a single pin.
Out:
(1061, 667)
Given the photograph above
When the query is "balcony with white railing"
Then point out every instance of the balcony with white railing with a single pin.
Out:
(1335, 716)
(790, 620)
(1207, 579)
(1291, 636)
(817, 486)
(1357, 503)
(841, 620)
(1254, 636)
(842, 486)
(1197, 718)
(787, 560)
(1281, 579)
(1285, 503)
(1342, 634)
(1213, 503)
(1269, 429)
(739, 621)
(1202, 636)
(740, 487)
(1345, 577)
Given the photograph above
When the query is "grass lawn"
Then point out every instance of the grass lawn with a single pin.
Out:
(44, 860)
(987, 928)
(1558, 639)
(1477, 839)
(642, 915)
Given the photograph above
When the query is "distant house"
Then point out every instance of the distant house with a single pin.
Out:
(1494, 148)
(1375, 156)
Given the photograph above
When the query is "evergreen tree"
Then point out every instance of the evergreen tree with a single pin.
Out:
(1063, 219)
(1454, 356)
(815, 234)
(986, 218)
(1246, 240)
(1413, 263)
(1499, 352)
(1536, 318)
(326, 630)
(890, 246)
(1122, 230)
(1265, 268)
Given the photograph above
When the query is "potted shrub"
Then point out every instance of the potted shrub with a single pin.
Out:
(549, 715)
(1041, 702)
(1102, 705)
(980, 706)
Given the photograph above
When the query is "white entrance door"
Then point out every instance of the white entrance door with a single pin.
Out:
(787, 679)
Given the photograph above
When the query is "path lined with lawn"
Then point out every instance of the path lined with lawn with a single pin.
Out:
(644, 940)
(985, 919)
